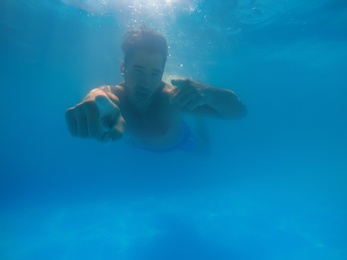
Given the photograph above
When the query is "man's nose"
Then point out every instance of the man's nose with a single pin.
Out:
(145, 79)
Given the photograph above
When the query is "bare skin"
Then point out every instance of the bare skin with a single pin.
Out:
(148, 110)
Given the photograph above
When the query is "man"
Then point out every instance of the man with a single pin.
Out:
(149, 111)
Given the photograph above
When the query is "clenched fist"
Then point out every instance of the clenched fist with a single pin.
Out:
(97, 117)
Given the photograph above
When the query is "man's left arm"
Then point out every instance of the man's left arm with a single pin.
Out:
(202, 99)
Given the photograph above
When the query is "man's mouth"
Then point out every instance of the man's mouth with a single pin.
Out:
(142, 93)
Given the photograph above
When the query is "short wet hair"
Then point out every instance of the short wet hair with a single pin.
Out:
(143, 39)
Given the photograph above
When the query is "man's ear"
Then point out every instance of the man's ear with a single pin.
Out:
(122, 68)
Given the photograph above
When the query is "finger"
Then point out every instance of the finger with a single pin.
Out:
(184, 100)
(174, 91)
(180, 82)
(116, 132)
(172, 94)
(111, 136)
(181, 96)
(105, 106)
(95, 128)
(106, 138)
(181, 85)
(71, 121)
(193, 104)
(82, 125)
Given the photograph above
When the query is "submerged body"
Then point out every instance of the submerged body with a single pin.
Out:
(149, 111)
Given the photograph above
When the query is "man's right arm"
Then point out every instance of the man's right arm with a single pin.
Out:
(97, 116)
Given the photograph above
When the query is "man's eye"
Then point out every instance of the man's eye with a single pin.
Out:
(138, 72)
(156, 75)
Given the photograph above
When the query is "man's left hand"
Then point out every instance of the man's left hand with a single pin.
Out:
(188, 93)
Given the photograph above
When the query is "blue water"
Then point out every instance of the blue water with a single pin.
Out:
(274, 184)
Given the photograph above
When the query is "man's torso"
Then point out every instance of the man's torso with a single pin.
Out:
(158, 127)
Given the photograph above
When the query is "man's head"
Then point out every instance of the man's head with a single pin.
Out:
(144, 39)
(145, 53)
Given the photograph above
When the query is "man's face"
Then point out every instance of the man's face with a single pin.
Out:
(143, 74)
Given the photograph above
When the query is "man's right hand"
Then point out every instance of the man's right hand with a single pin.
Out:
(97, 118)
